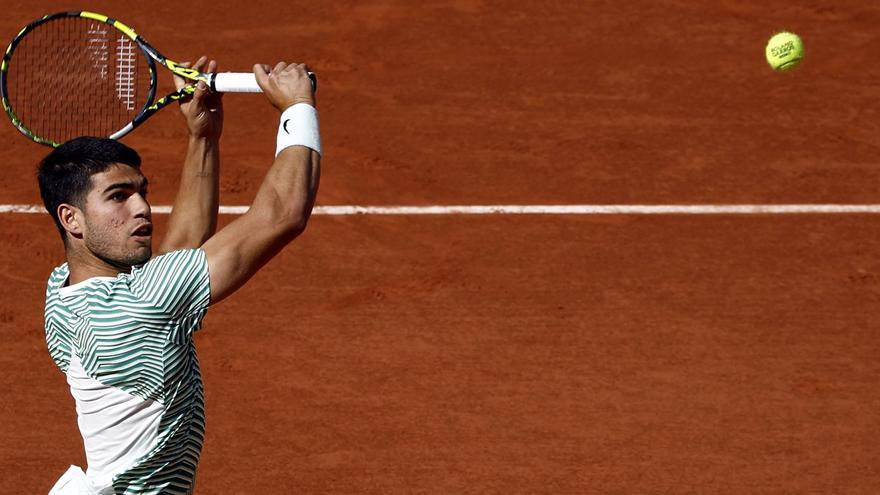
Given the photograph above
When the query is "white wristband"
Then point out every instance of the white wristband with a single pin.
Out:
(299, 127)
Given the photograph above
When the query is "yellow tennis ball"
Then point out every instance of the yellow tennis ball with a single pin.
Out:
(784, 51)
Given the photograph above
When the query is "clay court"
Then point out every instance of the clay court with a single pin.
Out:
(559, 354)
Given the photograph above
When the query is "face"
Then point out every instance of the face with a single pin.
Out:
(117, 222)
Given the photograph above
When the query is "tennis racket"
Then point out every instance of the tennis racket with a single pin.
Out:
(75, 74)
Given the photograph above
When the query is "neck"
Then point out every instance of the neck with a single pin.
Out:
(83, 265)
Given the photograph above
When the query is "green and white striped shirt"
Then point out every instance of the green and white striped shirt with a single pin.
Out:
(125, 344)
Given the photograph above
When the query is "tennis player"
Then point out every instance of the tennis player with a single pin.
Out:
(119, 321)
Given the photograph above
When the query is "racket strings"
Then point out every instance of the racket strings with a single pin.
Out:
(73, 76)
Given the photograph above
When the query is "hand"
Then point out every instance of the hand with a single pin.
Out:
(285, 85)
(204, 110)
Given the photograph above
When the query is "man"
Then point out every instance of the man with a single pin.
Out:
(119, 322)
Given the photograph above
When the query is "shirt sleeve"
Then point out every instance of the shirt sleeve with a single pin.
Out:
(176, 283)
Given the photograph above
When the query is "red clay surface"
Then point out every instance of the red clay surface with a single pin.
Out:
(525, 354)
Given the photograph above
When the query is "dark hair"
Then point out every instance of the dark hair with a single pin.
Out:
(65, 175)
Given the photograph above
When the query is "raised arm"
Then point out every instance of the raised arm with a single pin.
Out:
(284, 201)
(194, 215)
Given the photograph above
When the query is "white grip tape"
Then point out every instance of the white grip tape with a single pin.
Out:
(299, 127)
(239, 82)
(235, 82)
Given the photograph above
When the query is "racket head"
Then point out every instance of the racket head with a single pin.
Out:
(72, 74)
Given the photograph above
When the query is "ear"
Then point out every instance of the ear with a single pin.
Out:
(71, 219)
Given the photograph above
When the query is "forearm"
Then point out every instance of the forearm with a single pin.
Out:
(277, 216)
(285, 199)
(194, 216)
(288, 192)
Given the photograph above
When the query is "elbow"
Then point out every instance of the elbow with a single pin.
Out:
(293, 223)
(297, 224)
(285, 220)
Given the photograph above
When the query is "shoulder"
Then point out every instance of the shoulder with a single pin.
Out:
(170, 265)
(57, 278)
(179, 256)
(175, 281)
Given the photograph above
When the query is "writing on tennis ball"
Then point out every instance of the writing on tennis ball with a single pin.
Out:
(784, 51)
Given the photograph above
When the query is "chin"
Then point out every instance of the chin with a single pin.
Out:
(139, 257)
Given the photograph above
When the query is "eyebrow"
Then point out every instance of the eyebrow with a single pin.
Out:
(127, 185)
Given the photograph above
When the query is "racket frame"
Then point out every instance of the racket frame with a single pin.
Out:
(149, 107)
(153, 56)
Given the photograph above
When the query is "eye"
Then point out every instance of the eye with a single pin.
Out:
(118, 196)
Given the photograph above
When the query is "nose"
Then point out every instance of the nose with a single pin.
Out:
(141, 206)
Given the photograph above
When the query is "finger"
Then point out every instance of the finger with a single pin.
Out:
(301, 68)
(261, 73)
(279, 67)
(292, 68)
(213, 99)
(199, 93)
(212, 95)
(179, 82)
(201, 87)
(200, 63)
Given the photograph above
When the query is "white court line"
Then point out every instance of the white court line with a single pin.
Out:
(543, 209)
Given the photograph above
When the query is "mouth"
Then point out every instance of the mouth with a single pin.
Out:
(144, 232)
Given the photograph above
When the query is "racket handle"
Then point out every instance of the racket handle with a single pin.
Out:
(242, 82)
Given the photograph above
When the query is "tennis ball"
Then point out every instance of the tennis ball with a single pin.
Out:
(784, 51)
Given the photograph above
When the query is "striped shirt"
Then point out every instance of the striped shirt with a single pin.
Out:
(125, 344)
